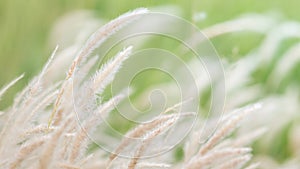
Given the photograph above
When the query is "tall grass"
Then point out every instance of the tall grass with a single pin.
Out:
(43, 129)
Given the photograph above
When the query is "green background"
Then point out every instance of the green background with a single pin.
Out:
(25, 27)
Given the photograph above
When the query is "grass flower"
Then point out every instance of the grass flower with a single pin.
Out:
(43, 129)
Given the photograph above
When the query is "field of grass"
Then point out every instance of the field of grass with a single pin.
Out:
(25, 46)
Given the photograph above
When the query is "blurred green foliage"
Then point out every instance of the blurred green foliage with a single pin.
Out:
(25, 27)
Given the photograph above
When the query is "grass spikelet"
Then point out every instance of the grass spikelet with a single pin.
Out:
(216, 156)
(148, 137)
(141, 130)
(92, 43)
(226, 128)
(25, 151)
(102, 34)
(45, 161)
(81, 135)
(237, 162)
(107, 72)
(9, 85)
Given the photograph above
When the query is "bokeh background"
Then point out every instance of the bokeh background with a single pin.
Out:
(26, 43)
(25, 27)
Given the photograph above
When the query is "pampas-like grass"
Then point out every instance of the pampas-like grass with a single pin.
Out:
(32, 143)
(41, 130)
